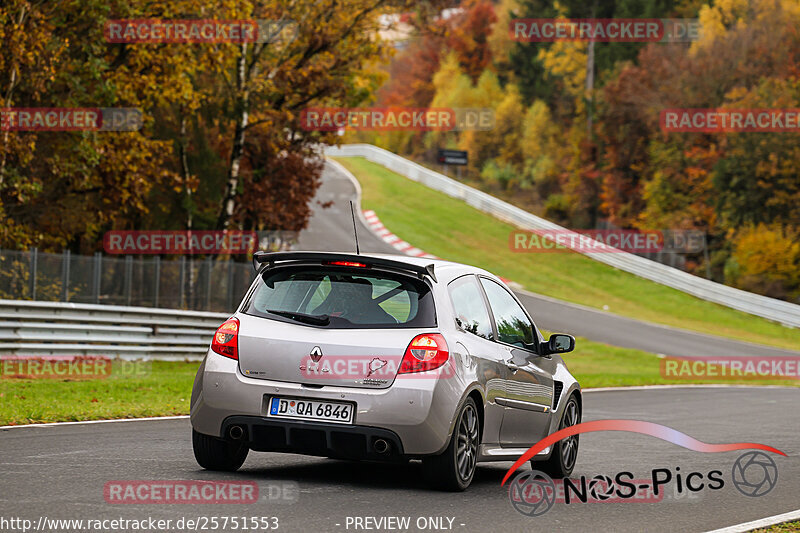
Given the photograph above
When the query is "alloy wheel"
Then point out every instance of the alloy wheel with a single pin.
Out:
(569, 446)
(467, 444)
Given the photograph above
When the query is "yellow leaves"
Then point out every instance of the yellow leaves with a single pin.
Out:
(766, 255)
(510, 109)
(454, 88)
(725, 18)
(451, 83)
(500, 40)
(724, 14)
(488, 92)
(538, 130)
(567, 60)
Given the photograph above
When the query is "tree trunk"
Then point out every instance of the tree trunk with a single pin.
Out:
(7, 103)
(185, 171)
(590, 79)
(229, 199)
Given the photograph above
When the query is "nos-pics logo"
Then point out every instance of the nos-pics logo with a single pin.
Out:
(533, 493)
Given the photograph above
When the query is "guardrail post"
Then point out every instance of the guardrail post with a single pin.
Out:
(34, 270)
(128, 278)
(182, 281)
(157, 276)
(65, 276)
(97, 277)
(209, 264)
(230, 285)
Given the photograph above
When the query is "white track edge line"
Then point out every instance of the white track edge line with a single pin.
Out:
(686, 386)
(103, 421)
(763, 522)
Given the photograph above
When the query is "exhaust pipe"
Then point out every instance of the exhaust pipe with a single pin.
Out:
(236, 432)
(381, 446)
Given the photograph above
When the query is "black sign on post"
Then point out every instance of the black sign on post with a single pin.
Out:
(452, 157)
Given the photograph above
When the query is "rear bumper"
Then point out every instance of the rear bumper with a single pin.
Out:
(313, 438)
(418, 411)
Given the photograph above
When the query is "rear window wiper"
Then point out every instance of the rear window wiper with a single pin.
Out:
(317, 320)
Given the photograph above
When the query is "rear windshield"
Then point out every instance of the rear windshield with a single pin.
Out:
(343, 298)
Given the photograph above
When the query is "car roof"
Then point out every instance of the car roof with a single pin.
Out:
(445, 270)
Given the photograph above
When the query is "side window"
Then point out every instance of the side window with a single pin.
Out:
(471, 313)
(513, 326)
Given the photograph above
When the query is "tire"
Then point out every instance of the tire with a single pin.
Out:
(213, 453)
(453, 469)
(562, 459)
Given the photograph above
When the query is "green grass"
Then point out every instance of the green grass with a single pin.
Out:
(453, 230)
(786, 527)
(595, 364)
(164, 388)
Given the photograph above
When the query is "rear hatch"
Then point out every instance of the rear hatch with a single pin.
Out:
(332, 325)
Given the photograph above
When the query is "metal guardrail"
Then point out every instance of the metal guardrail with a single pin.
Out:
(780, 311)
(56, 328)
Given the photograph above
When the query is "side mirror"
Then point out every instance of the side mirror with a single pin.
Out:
(559, 343)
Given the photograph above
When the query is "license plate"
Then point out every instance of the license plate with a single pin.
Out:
(311, 410)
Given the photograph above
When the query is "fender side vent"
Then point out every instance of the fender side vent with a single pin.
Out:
(558, 386)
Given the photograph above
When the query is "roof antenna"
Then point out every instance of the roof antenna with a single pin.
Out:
(355, 232)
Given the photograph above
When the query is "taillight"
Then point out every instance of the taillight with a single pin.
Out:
(226, 339)
(347, 264)
(426, 352)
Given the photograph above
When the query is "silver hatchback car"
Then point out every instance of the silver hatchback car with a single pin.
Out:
(387, 358)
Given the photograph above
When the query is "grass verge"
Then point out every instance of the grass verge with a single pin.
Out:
(165, 389)
(595, 364)
(786, 527)
(453, 230)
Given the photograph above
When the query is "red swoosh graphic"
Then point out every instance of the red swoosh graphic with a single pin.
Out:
(635, 426)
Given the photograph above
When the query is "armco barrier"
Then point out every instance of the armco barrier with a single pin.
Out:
(56, 328)
(780, 311)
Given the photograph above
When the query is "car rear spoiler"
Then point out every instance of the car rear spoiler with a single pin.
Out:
(268, 259)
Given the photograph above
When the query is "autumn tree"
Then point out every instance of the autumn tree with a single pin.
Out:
(469, 36)
(766, 259)
(324, 63)
(62, 188)
(190, 163)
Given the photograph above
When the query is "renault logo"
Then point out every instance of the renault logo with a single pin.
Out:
(316, 354)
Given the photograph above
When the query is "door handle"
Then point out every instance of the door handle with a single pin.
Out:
(511, 366)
